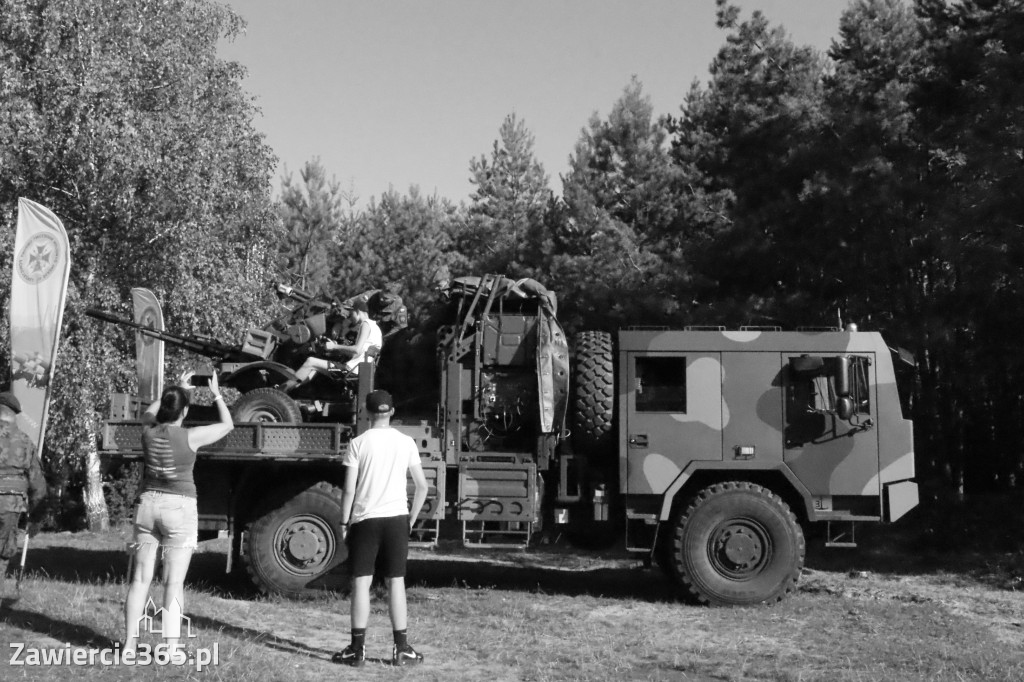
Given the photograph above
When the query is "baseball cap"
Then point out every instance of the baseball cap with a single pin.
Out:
(7, 398)
(360, 304)
(379, 402)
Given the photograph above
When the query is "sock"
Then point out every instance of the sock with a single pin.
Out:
(400, 639)
(359, 638)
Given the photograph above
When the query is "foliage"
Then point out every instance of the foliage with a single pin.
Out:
(119, 117)
(121, 487)
(403, 244)
(743, 141)
(508, 204)
(315, 224)
(878, 183)
(611, 244)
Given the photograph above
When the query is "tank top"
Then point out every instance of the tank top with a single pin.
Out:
(169, 460)
(374, 339)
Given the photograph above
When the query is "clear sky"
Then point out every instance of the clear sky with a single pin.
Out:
(395, 93)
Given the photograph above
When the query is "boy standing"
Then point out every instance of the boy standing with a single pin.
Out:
(376, 520)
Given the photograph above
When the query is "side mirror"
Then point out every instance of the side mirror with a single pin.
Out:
(842, 377)
(845, 408)
(806, 365)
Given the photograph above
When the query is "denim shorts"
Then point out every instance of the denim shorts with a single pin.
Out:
(167, 519)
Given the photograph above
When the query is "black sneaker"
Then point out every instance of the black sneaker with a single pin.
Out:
(350, 655)
(405, 656)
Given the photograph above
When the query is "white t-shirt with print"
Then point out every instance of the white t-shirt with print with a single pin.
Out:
(382, 458)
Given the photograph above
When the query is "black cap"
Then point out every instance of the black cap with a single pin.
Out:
(360, 304)
(7, 398)
(379, 402)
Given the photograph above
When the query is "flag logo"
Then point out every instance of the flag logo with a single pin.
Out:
(39, 258)
(149, 318)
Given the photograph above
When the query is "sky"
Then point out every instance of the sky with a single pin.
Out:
(391, 94)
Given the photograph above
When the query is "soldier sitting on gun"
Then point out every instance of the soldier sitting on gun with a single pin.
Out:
(22, 486)
(368, 337)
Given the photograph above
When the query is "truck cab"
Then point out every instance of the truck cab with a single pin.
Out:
(729, 440)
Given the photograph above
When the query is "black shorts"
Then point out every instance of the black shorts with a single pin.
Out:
(386, 539)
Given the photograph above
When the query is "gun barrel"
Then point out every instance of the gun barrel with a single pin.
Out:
(211, 349)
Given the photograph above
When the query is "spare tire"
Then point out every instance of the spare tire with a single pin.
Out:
(266, 405)
(593, 394)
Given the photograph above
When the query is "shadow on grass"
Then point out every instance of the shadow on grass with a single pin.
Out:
(253, 636)
(980, 539)
(72, 633)
(615, 583)
(75, 564)
(206, 573)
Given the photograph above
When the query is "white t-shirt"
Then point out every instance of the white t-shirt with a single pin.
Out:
(382, 457)
(375, 338)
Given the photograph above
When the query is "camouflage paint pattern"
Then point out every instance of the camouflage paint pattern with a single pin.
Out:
(736, 397)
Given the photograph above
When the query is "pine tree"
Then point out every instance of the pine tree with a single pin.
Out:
(315, 223)
(508, 205)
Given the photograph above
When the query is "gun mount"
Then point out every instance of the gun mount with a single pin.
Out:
(262, 367)
(706, 451)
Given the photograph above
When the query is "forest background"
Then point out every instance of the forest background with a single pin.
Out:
(881, 182)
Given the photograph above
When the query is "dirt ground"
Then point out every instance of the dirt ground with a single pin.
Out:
(935, 598)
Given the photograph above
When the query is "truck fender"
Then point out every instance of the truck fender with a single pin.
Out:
(670, 493)
(274, 369)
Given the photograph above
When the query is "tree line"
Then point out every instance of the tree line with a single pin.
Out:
(877, 182)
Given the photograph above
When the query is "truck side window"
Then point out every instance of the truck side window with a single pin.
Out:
(661, 384)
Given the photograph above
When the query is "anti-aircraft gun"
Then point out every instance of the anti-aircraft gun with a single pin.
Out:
(704, 450)
(263, 366)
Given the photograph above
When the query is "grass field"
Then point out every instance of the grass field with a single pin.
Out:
(903, 606)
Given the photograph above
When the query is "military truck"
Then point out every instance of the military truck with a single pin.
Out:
(704, 451)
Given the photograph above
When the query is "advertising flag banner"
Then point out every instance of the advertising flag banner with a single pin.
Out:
(149, 352)
(39, 284)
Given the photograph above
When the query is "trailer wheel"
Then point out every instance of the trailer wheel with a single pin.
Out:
(296, 541)
(266, 405)
(737, 544)
(594, 393)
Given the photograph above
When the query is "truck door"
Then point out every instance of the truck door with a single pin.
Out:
(673, 415)
(829, 454)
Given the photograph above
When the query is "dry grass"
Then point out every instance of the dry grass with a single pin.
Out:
(873, 614)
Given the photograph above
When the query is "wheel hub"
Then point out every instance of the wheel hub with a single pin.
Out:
(304, 544)
(739, 549)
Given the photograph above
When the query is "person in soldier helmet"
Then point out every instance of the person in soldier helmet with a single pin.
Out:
(22, 486)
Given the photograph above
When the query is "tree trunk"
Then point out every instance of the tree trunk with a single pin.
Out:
(96, 514)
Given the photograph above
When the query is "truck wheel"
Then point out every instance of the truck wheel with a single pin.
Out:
(737, 544)
(292, 545)
(594, 393)
(265, 405)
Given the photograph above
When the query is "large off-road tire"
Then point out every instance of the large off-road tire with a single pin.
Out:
(266, 405)
(736, 544)
(593, 394)
(295, 541)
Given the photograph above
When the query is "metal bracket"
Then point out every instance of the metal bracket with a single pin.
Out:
(838, 538)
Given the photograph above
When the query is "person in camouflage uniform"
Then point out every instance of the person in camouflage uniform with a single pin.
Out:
(22, 486)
